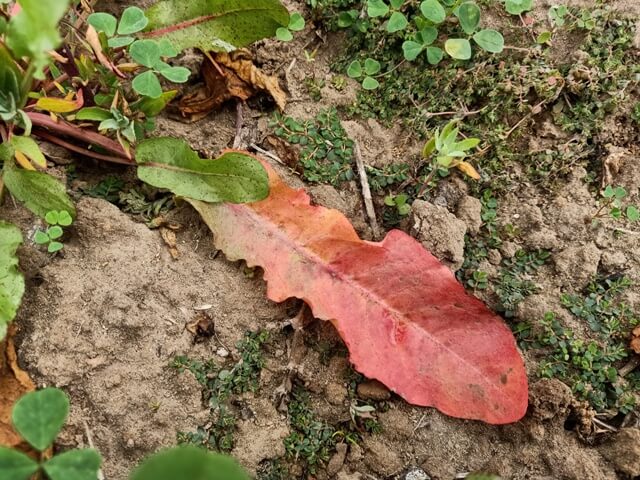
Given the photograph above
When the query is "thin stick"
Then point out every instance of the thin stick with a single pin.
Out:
(366, 191)
(272, 156)
(237, 142)
(630, 366)
(90, 441)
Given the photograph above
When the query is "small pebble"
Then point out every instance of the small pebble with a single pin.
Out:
(417, 474)
(222, 352)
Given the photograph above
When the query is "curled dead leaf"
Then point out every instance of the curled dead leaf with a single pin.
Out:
(228, 76)
(467, 169)
(94, 41)
(169, 237)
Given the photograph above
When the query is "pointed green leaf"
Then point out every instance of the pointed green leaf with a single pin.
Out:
(433, 11)
(11, 280)
(39, 192)
(355, 69)
(411, 50)
(221, 26)
(467, 144)
(434, 55)
(133, 20)
(370, 83)
(490, 40)
(74, 465)
(377, 8)
(39, 416)
(189, 463)
(145, 52)
(170, 163)
(28, 147)
(33, 32)
(429, 148)
(153, 106)
(147, 84)
(103, 22)
(458, 48)
(95, 114)
(469, 16)
(397, 22)
(15, 465)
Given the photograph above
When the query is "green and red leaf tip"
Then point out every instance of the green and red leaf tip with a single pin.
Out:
(405, 319)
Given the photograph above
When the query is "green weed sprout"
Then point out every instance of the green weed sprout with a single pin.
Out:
(445, 152)
(50, 236)
(399, 202)
(296, 24)
(38, 417)
(611, 205)
(518, 7)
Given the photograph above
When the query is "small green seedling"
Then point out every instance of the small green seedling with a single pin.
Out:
(518, 7)
(365, 72)
(51, 236)
(557, 14)
(479, 280)
(296, 24)
(611, 205)
(133, 21)
(399, 202)
(38, 417)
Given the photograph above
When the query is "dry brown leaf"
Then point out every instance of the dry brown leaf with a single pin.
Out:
(230, 76)
(635, 341)
(169, 237)
(14, 382)
(289, 154)
(94, 41)
(201, 327)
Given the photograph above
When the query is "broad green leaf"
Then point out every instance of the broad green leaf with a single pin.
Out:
(355, 69)
(64, 219)
(429, 148)
(544, 38)
(39, 416)
(52, 217)
(371, 66)
(434, 55)
(469, 16)
(117, 42)
(296, 22)
(428, 35)
(189, 463)
(166, 49)
(490, 40)
(55, 232)
(96, 114)
(633, 214)
(103, 22)
(10, 78)
(173, 74)
(346, 19)
(284, 34)
(133, 20)
(221, 26)
(41, 238)
(433, 11)
(458, 48)
(170, 163)
(39, 192)
(518, 7)
(11, 280)
(377, 8)
(15, 465)
(396, 4)
(145, 52)
(397, 22)
(467, 144)
(370, 83)
(28, 146)
(147, 84)
(411, 49)
(34, 31)
(153, 106)
(74, 465)
(3, 25)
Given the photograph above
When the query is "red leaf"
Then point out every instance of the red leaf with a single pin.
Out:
(406, 320)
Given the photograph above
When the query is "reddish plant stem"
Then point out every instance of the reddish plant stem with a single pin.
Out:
(77, 149)
(64, 128)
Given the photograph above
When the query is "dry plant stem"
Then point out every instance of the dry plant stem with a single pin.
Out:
(366, 192)
(77, 149)
(524, 119)
(272, 156)
(63, 128)
(237, 142)
(100, 475)
(630, 366)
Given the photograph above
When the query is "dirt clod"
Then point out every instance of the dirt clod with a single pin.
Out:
(623, 451)
(548, 399)
(373, 390)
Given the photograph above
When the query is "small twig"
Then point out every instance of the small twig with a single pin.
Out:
(90, 441)
(534, 111)
(623, 230)
(272, 156)
(630, 366)
(237, 142)
(419, 424)
(77, 149)
(606, 426)
(366, 191)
